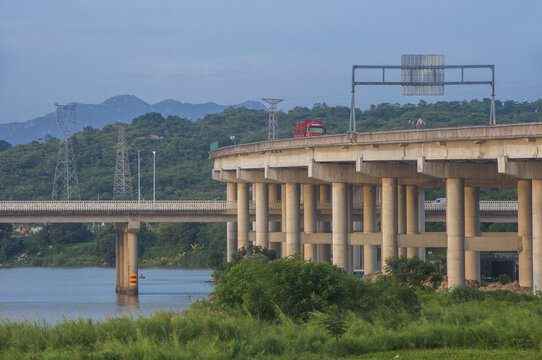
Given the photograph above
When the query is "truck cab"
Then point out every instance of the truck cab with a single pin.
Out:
(309, 128)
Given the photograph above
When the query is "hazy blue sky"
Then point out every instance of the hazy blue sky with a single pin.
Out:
(233, 51)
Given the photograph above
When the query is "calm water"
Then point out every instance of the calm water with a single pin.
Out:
(52, 294)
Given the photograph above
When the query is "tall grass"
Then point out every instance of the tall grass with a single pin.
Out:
(207, 331)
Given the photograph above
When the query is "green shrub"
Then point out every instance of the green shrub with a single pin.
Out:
(413, 272)
(464, 294)
(504, 279)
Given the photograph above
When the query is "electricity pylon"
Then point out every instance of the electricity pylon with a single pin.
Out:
(66, 184)
(123, 179)
(273, 128)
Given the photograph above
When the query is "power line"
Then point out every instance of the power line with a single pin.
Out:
(66, 184)
(123, 179)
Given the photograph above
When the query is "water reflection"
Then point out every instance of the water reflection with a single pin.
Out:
(127, 303)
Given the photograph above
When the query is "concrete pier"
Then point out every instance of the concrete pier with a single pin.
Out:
(412, 223)
(389, 219)
(472, 228)
(324, 250)
(293, 236)
(537, 235)
(126, 258)
(262, 215)
(401, 216)
(309, 220)
(242, 215)
(274, 226)
(455, 230)
(231, 238)
(525, 232)
(370, 225)
(339, 215)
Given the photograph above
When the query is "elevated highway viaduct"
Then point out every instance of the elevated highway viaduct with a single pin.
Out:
(395, 167)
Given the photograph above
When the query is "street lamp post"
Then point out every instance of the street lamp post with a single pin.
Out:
(138, 175)
(154, 175)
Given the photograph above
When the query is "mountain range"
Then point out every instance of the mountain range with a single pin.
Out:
(121, 108)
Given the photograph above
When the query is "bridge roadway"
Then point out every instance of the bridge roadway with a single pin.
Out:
(395, 167)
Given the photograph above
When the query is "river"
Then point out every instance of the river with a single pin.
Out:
(53, 294)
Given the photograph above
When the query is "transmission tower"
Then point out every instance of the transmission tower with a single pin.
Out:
(273, 129)
(66, 185)
(123, 179)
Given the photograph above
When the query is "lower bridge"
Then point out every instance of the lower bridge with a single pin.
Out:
(127, 216)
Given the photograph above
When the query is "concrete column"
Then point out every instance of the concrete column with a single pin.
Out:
(358, 227)
(370, 225)
(132, 288)
(242, 215)
(119, 257)
(472, 228)
(292, 219)
(283, 217)
(231, 238)
(125, 263)
(412, 216)
(455, 229)
(389, 219)
(537, 234)
(525, 231)
(421, 218)
(309, 220)
(350, 229)
(274, 226)
(262, 216)
(401, 216)
(339, 215)
(324, 250)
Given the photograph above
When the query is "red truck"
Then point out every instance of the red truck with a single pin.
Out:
(309, 128)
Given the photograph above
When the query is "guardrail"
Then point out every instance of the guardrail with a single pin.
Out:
(195, 205)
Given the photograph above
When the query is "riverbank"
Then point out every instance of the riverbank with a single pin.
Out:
(444, 328)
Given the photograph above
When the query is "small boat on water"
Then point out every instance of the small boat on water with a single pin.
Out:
(141, 276)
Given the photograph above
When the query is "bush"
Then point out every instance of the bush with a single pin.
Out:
(413, 272)
(296, 288)
(504, 279)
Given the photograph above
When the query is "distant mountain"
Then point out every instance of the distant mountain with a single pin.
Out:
(122, 108)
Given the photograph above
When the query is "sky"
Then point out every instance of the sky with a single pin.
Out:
(60, 51)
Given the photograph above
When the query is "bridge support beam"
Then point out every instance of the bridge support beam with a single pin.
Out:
(231, 194)
(412, 224)
(127, 267)
(274, 226)
(455, 229)
(242, 215)
(309, 220)
(339, 215)
(389, 219)
(262, 215)
(472, 228)
(293, 236)
(370, 225)
(525, 231)
(324, 226)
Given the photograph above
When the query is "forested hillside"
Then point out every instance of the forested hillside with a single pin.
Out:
(183, 170)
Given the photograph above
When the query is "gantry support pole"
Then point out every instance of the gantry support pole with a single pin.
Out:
(309, 220)
(324, 226)
(537, 235)
(389, 219)
(412, 216)
(370, 225)
(262, 215)
(401, 216)
(274, 226)
(525, 232)
(231, 195)
(242, 215)
(455, 229)
(293, 237)
(472, 228)
(339, 215)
